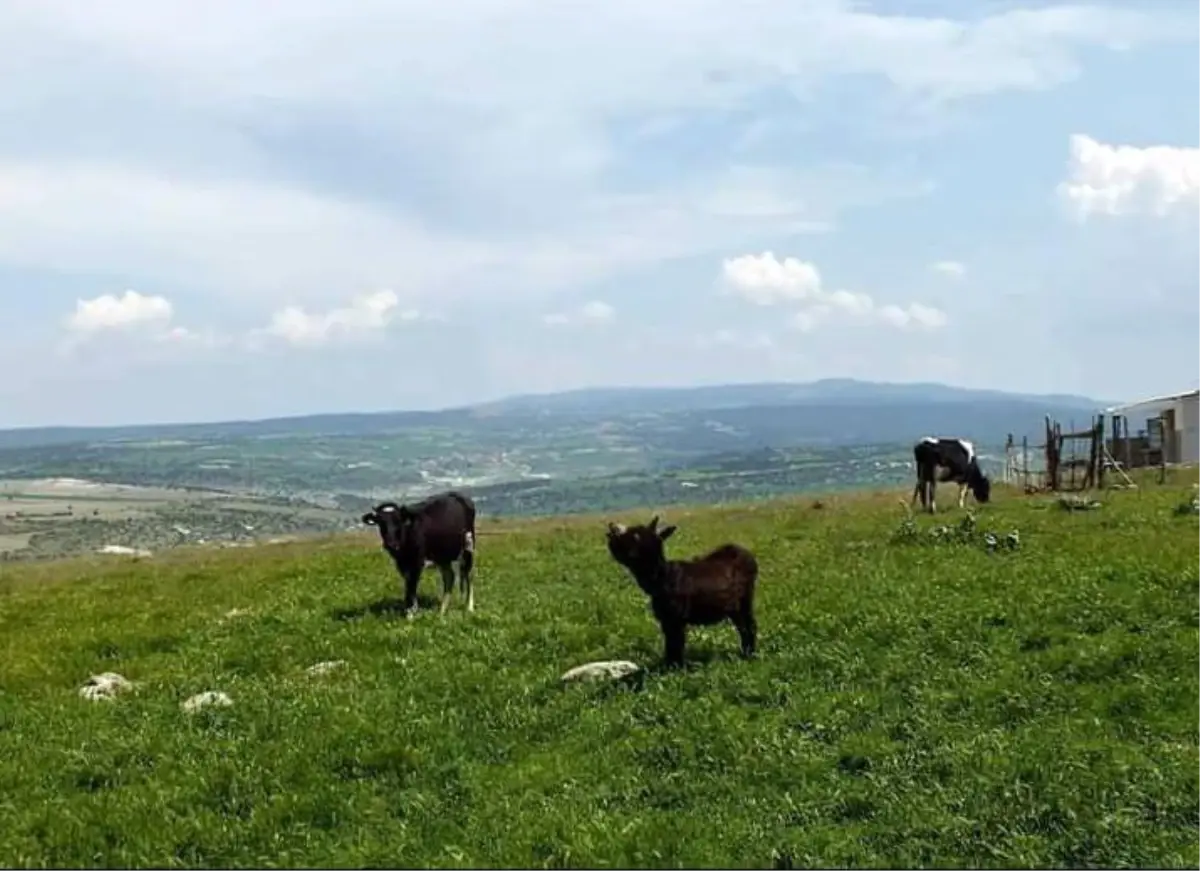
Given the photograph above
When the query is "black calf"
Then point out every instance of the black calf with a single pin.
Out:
(439, 530)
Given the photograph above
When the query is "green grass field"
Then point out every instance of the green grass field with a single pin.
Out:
(912, 704)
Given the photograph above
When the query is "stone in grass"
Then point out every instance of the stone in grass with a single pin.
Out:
(104, 687)
(613, 669)
(325, 667)
(206, 699)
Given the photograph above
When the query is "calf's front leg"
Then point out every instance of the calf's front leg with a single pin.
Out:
(412, 580)
(674, 638)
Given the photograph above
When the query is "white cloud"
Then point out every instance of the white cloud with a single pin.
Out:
(949, 268)
(365, 317)
(592, 312)
(228, 236)
(111, 312)
(160, 186)
(765, 280)
(735, 339)
(542, 66)
(597, 311)
(1117, 180)
(132, 326)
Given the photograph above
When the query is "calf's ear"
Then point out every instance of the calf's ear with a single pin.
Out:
(369, 518)
(666, 532)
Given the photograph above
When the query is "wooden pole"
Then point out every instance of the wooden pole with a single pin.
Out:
(1162, 449)
(1025, 462)
(1049, 451)
(1074, 454)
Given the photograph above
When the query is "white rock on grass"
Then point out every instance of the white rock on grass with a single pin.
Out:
(206, 699)
(613, 669)
(234, 613)
(326, 667)
(103, 687)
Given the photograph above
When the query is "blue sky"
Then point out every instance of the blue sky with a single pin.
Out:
(243, 210)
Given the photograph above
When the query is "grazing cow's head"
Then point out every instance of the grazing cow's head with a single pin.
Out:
(638, 547)
(394, 522)
(981, 487)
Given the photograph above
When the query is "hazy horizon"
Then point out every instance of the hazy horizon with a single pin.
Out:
(615, 388)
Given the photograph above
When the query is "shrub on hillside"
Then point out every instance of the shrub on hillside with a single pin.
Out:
(965, 532)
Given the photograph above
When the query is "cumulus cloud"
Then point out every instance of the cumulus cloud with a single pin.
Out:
(152, 320)
(111, 312)
(592, 312)
(949, 268)
(365, 317)
(134, 323)
(1117, 180)
(765, 280)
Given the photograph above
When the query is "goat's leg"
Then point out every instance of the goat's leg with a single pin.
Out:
(675, 638)
(411, 581)
(447, 571)
(466, 564)
(747, 628)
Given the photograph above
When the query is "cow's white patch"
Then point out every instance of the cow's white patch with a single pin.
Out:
(469, 542)
(387, 509)
(969, 448)
(929, 440)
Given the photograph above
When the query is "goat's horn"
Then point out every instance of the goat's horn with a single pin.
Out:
(654, 523)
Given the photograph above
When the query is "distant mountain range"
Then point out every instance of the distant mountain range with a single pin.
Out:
(829, 391)
(836, 405)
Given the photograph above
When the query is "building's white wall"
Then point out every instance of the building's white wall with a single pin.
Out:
(1137, 415)
(1187, 424)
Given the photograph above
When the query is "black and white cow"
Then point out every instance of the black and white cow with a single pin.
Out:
(437, 531)
(948, 460)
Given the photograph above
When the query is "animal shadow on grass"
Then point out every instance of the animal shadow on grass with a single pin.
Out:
(697, 657)
(388, 606)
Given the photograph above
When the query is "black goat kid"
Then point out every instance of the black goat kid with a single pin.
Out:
(715, 587)
(440, 531)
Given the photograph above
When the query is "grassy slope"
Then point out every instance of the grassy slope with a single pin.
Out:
(911, 704)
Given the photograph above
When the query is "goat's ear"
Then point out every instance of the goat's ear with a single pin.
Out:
(666, 532)
(369, 518)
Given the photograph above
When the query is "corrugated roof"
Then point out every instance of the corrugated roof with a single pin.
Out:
(1170, 397)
